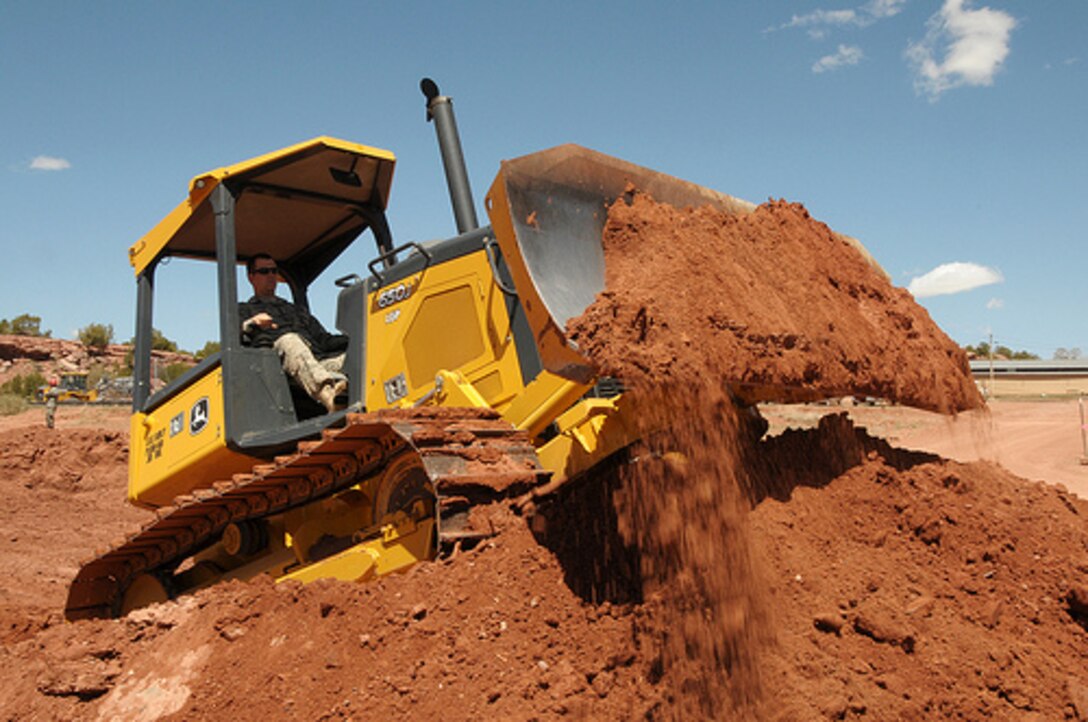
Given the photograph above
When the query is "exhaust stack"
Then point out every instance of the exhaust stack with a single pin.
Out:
(440, 110)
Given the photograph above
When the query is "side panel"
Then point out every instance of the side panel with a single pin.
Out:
(179, 442)
(450, 316)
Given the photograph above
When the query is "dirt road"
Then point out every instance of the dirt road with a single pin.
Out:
(1038, 440)
(100, 417)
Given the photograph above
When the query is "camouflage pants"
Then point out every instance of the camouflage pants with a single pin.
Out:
(50, 413)
(301, 365)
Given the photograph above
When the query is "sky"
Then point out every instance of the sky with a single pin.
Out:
(949, 136)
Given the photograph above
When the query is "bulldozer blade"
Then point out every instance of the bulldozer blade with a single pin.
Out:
(548, 211)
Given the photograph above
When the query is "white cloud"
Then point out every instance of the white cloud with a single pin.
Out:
(865, 15)
(822, 17)
(48, 162)
(995, 304)
(973, 43)
(845, 55)
(955, 277)
(1067, 62)
(884, 8)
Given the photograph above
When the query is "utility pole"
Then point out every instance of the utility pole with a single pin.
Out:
(990, 390)
(1083, 433)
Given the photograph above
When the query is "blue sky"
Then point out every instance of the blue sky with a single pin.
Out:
(947, 135)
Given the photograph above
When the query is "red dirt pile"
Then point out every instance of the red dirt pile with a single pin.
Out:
(63, 494)
(915, 589)
(709, 573)
(770, 304)
(771, 301)
(892, 585)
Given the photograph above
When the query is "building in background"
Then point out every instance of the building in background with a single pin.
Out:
(1001, 378)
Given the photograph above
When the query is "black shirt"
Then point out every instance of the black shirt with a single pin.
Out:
(288, 318)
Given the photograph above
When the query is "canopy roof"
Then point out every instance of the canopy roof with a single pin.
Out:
(303, 205)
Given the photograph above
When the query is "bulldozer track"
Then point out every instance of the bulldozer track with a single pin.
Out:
(470, 455)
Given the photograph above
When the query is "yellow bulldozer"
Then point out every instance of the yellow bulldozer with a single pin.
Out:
(71, 387)
(463, 387)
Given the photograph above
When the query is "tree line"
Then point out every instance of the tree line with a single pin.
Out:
(98, 335)
(982, 350)
(17, 391)
(24, 325)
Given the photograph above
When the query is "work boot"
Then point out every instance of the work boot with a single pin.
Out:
(330, 390)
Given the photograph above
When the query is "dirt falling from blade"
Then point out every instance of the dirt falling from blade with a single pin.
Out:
(681, 504)
(703, 313)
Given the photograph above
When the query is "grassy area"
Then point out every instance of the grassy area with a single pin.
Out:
(11, 404)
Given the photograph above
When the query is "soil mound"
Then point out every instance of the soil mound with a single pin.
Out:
(82, 460)
(703, 309)
(772, 301)
(63, 495)
(932, 590)
(884, 585)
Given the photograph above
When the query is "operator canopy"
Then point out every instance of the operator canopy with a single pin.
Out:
(303, 205)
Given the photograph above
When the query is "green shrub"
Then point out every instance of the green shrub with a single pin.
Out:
(23, 386)
(173, 371)
(159, 342)
(27, 325)
(212, 347)
(11, 404)
(99, 373)
(96, 335)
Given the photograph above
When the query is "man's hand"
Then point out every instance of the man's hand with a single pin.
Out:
(261, 320)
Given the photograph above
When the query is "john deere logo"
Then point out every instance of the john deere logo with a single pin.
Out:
(198, 416)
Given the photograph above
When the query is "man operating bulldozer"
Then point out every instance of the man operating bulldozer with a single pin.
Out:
(311, 355)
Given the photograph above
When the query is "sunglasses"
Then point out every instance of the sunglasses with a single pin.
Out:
(265, 271)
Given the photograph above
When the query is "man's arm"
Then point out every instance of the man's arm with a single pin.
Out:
(258, 325)
(260, 320)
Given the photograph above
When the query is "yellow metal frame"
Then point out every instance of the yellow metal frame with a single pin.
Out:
(402, 544)
(147, 249)
(589, 432)
(180, 440)
(393, 330)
